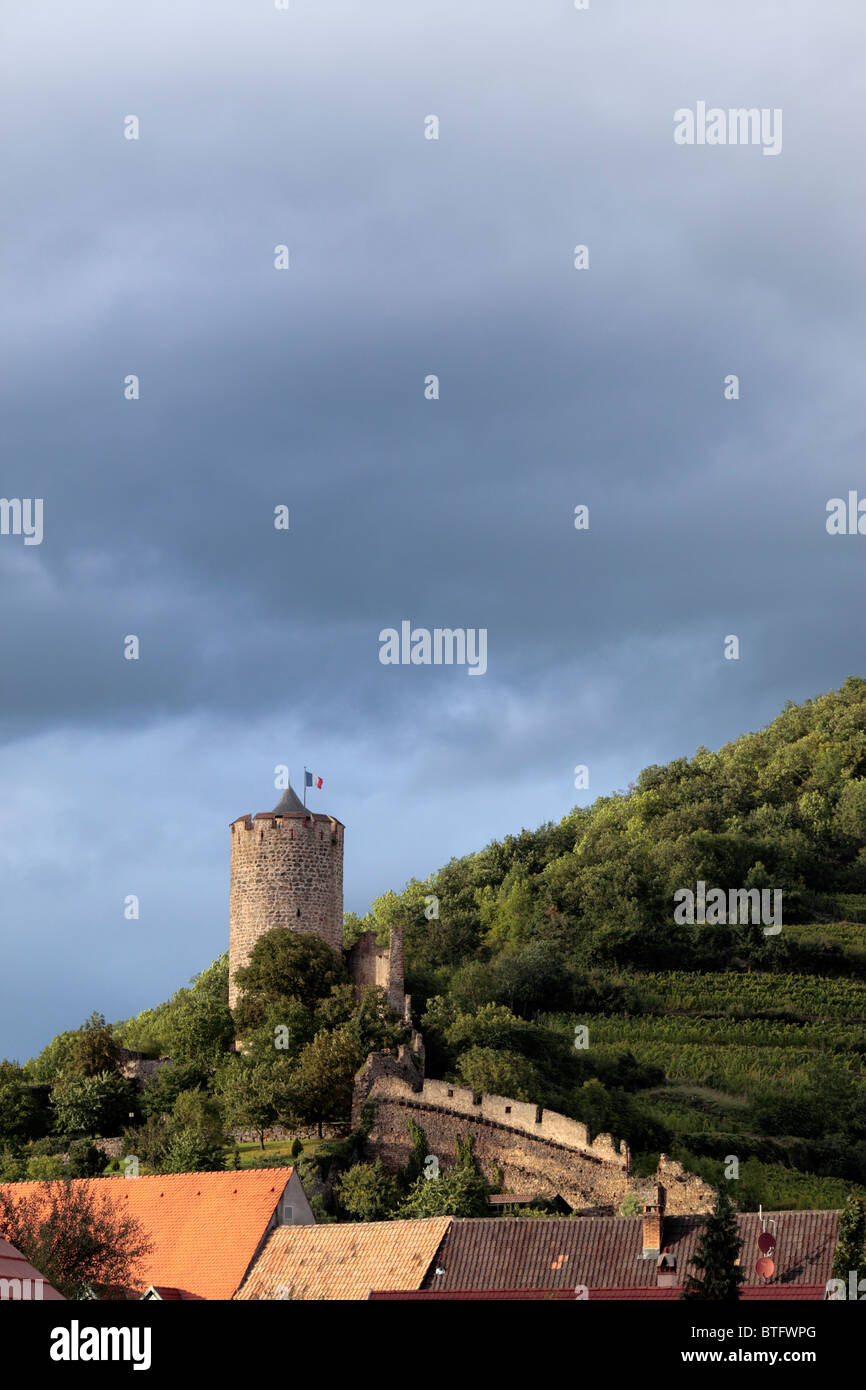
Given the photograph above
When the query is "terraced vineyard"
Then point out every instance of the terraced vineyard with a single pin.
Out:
(848, 936)
(803, 997)
(728, 1041)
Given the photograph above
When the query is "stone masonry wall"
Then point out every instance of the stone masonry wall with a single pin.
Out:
(537, 1151)
(136, 1067)
(396, 982)
(685, 1194)
(278, 1134)
(372, 964)
(286, 871)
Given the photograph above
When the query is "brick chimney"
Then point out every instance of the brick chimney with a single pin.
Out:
(653, 1222)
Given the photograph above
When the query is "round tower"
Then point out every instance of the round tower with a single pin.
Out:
(286, 871)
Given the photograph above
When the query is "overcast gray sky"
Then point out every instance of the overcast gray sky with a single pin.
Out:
(305, 387)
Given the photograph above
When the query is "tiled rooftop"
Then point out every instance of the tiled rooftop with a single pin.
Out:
(205, 1227)
(345, 1261)
(13, 1266)
(606, 1252)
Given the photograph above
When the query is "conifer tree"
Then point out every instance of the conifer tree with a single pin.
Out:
(719, 1276)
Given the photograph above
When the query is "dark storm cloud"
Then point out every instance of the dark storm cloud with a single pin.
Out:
(409, 257)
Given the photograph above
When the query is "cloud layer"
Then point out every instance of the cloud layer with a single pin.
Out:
(409, 257)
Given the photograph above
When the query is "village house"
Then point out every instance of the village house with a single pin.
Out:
(206, 1229)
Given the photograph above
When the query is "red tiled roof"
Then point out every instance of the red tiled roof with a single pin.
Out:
(765, 1293)
(205, 1227)
(469, 1295)
(606, 1251)
(15, 1271)
(749, 1293)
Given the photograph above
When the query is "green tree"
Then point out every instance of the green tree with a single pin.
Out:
(145, 1033)
(43, 1167)
(196, 1117)
(248, 1093)
(92, 1105)
(285, 965)
(53, 1059)
(288, 1027)
(355, 926)
(718, 1250)
(458, 1190)
(500, 1073)
(374, 1022)
(455, 1192)
(367, 1192)
(187, 1152)
(198, 1025)
(851, 1236)
(322, 1084)
(163, 1088)
(85, 1160)
(473, 985)
(509, 915)
(94, 1049)
(18, 1110)
(190, 1139)
(13, 1164)
(492, 1025)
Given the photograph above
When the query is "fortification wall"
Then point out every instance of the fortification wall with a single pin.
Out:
(286, 871)
(536, 1151)
(529, 1119)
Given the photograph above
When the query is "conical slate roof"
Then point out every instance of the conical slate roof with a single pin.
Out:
(289, 802)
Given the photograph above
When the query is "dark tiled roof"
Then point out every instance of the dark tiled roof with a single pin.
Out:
(467, 1295)
(606, 1252)
(775, 1293)
(749, 1293)
(290, 803)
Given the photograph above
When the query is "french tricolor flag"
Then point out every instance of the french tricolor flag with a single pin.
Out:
(310, 780)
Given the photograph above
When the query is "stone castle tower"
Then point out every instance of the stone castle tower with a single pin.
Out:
(287, 871)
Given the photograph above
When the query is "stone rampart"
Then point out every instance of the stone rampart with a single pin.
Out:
(530, 1149)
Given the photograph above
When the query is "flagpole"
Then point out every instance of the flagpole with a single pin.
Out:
(305, 789)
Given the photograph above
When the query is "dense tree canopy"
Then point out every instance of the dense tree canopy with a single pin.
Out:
(784, 807)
